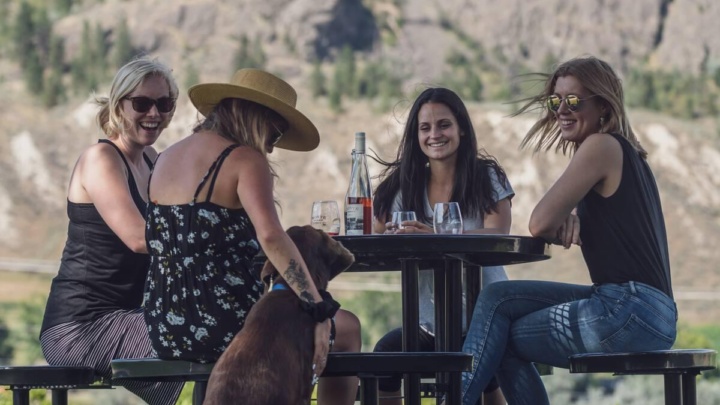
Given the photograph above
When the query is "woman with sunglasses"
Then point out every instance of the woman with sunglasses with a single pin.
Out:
(439, 161)
(607, 203)
(93, 313)
(212, 210)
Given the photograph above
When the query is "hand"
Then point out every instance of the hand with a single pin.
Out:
(414, 227)
(569, 232)
(390, 228)
(322, 347)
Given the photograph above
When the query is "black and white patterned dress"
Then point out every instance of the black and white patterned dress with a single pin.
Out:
(201, 283)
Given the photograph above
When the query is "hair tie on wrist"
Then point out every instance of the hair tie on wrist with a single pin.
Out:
(323, 310)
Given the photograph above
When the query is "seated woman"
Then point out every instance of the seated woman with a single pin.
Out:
(607, 202)
(212, 209)
(93, 313)
(439, 161)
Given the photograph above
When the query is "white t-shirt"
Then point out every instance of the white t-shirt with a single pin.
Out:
(490, 274)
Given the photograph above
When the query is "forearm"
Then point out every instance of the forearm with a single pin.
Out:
(283, 254)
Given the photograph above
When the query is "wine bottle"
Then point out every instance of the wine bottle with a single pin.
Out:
(358, 199)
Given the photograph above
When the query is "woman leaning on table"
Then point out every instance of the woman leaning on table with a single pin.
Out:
(606, 202)
(93, 313)
(439, 160)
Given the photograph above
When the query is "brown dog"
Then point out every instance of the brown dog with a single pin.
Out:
(269, 362)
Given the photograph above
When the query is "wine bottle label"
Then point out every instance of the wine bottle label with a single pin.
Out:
(354, 219)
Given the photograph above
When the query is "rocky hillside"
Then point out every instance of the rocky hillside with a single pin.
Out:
(39, 146)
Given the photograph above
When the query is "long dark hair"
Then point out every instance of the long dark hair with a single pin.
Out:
(472, 187)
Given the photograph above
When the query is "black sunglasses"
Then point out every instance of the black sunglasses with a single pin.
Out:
(572, 102)
(275, 137)
(143, 104)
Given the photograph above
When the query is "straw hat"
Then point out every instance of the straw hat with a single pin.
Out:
(267, 90)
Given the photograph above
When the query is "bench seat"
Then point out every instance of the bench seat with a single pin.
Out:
(58, 379)
(367, 366)
(679, 367)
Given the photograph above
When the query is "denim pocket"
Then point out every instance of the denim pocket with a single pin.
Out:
(637, 336)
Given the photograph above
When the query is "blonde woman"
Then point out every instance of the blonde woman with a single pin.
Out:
(212, 209)
(93, 313)
(607, 203)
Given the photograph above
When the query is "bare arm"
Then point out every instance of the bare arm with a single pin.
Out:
(255, 185)
(497, 222)
(102, 175)
(254, 189)
(598, 158)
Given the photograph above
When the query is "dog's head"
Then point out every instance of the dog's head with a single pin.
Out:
(324, 256)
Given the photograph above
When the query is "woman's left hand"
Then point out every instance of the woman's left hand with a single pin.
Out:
(569, 232)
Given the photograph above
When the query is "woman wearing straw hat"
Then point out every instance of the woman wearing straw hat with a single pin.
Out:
(212, 209)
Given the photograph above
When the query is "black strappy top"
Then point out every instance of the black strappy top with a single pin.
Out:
(201, 283)
(98, 273)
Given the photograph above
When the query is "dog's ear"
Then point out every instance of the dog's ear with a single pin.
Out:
(337, 256)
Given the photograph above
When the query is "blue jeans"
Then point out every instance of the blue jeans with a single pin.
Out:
(516, 323)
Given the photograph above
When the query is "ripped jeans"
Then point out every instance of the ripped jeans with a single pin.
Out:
(516, 323)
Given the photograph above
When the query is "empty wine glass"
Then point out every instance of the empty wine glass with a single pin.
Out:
(398, 217)
(326, 216)
(447, 218)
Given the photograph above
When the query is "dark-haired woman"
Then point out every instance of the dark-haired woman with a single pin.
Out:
(438, 160)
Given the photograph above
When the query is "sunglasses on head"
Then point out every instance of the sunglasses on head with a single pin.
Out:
(143, 104)
(572, 102)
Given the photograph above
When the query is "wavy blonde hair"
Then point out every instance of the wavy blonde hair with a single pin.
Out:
(128, 77)
(597, 77)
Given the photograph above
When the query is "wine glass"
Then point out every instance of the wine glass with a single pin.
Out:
(326, 216)
(447, 218)
(398, 217)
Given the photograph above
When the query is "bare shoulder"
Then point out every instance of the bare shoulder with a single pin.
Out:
(600, 146)
(99, 154)
(245, 155)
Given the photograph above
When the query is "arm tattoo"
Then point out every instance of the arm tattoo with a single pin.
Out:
(294, 275)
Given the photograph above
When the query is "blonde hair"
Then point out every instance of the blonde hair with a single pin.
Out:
(128, 77)
(597, 77)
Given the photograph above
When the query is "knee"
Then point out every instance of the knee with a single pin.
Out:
(391, 342)
(347, 327)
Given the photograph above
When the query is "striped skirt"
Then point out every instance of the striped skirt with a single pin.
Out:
(116, 335)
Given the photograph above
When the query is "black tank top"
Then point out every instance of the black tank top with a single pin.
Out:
(98, 272)
(623, 236)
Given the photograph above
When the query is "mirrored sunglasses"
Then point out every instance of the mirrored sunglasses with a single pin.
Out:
(143, 104)
(572, 102)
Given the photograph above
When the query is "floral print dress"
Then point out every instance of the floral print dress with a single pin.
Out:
(201, 283)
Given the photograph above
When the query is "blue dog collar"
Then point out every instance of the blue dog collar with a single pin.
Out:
(279, 287)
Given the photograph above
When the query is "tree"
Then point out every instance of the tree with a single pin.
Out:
(317, 81)
(54, 89)
(192, 76)
(100, 51)
(247, 56)
(33, 72)
(345, 72)
(6, 349)
(63, 6)
(335, 91)
(122, 48)
(22, 34)
(42, 33)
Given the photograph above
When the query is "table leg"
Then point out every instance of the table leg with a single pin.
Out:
(453, 321)
(473, 285)
(410, 269)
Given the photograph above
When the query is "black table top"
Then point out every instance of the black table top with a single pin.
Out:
(383, 252)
